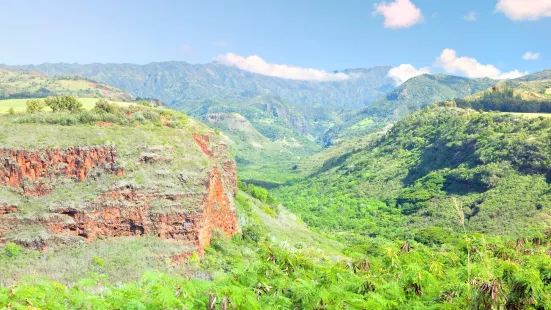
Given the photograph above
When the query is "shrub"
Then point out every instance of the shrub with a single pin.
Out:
(98, 261)
(11, 111)
(12, 249)
(35, 106)
(103, 105)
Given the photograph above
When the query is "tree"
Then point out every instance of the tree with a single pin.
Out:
(64, 103)
(35, 106)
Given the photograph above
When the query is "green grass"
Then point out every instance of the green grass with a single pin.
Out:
(124, 259)
(533, 115)
(22, 84)
(19, 105)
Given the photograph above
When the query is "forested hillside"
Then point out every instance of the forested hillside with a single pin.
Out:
(429, 171)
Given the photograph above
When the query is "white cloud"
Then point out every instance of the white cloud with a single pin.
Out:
(405, 72)
(258, 65)
(399, 14)
(531, 56)
(471, 16)
(525, 9)
(510, 75)
(470, 67)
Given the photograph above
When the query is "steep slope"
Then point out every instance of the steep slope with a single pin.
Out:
(433, 170)
(175, 82)
(70, 179)
(26, 84)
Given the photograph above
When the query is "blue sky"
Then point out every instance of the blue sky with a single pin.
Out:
(323, 34)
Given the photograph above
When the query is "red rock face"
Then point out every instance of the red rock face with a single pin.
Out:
(203, 142)
(128, 211)
(125, 210)
(32, 170)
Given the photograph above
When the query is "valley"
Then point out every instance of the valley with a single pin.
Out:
(425, 196)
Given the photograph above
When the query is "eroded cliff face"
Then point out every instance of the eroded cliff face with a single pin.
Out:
(32, 171)
(124, 208)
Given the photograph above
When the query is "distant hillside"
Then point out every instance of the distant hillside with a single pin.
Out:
(266, 133)
(415, 93)
(425, 89)
(175, 82)
(432, 169)
(16, 84)
(535, 86)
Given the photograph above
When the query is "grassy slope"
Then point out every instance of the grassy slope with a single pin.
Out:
(17, 84)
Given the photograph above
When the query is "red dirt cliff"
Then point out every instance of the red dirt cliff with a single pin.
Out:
(31, 170)
(124, 209)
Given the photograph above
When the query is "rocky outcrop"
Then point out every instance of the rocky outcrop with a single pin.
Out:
(124, 208)
(32, 171)
(128, 211)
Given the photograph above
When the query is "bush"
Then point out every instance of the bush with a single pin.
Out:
(103, 105)
(35, 106)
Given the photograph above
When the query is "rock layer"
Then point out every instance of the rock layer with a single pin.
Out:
(32, 170)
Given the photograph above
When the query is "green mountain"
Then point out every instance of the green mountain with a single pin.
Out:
(413, 94)
(176, 82)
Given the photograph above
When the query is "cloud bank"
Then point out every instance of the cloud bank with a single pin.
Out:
(524, 9)
(399, 14)
(258, 65)
(470, 67)
(405, 72)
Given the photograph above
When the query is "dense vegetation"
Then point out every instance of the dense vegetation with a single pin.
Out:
(252, 271)
(491, 168)
(449, 208)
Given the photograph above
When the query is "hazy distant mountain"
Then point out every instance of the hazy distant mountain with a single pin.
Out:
(175, 82)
